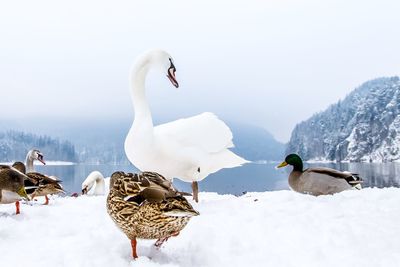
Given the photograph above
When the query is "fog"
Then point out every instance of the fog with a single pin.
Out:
(268, 63)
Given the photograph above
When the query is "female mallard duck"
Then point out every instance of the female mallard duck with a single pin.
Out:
(146, 206)
(319, 181)
(39, 184)
(12, 186)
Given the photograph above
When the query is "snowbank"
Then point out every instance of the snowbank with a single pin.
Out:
(281, 228)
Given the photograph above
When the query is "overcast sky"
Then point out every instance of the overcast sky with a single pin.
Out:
(269, 63)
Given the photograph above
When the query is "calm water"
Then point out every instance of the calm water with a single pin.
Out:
(251, 177)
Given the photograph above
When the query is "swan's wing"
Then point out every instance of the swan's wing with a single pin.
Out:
(205, 131)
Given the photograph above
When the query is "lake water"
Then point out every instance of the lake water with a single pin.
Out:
(252, 177)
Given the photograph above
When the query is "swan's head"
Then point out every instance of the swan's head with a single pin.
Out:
(88, 183)
(86, 187)
(92, 179)
(163, 61)
(171, 73)
(35, 154)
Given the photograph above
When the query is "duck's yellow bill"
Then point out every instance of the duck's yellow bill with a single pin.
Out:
(23, 193)
(283, 164)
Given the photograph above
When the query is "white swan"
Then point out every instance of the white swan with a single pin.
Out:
(31, 156)
(189, 149)
(97, 180)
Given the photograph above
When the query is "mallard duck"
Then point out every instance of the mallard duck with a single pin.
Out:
(38, 184)
(146, 206)
(189, 149)
(12, 186)
(319, 181)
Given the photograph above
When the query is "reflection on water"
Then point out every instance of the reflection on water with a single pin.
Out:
(250, 178)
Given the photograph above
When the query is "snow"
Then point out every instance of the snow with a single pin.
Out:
(279, 228)
(320, 160)
(364, 127)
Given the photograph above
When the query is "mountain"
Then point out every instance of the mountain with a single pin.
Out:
(365, 126)
(255, 143)
(102, 141)
(14, 145)
(105, 143)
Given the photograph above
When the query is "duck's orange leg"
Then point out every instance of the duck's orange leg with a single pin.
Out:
(47, 200)
(17, 207)
(133, 245)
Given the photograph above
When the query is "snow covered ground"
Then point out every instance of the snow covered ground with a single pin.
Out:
(280, 228)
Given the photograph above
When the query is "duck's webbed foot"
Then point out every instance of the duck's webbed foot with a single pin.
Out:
(161, 241)
(47, 200)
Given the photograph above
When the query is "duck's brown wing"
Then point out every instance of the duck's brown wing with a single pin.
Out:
(351, 178)
(8, 173)
(158, 187)
(43, 183)
(149, 186)
(42, 179)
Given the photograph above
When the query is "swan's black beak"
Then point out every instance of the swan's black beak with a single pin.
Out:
(171, 74)
(84, 191)
(40, 158)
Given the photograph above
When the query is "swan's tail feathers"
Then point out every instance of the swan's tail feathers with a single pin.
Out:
(225, 159)
(234, 160)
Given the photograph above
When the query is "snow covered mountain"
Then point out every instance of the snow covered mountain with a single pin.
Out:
(365, 126)
(102, 141)
(15, 144)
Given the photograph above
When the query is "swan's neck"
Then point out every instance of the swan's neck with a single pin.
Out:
(99, 186)
(142, 110)
(29, 164)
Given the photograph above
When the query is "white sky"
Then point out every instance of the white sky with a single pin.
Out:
(269, 63)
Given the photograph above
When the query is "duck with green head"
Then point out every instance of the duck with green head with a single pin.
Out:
(320, 180)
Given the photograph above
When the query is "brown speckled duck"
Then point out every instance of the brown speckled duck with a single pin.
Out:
(319, 181)
(12, 186)
(39, 184)
(147, 206)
